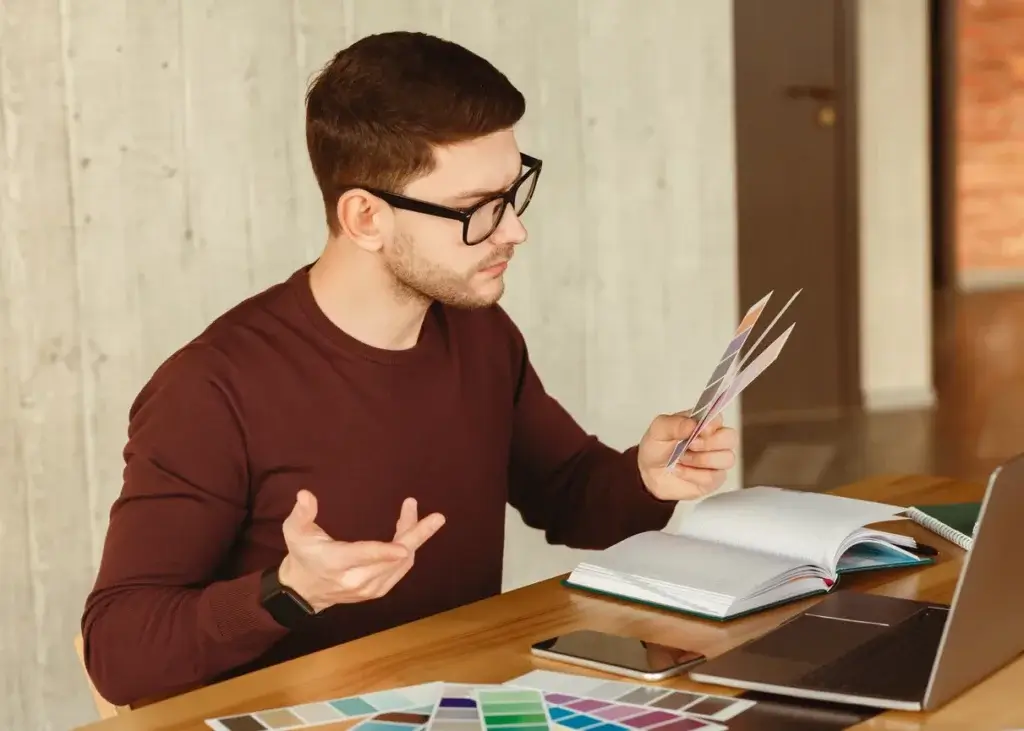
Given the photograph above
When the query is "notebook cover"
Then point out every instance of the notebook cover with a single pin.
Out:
(958, 516)
(923, 561)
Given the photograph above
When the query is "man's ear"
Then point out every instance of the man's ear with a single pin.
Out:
(364, 218)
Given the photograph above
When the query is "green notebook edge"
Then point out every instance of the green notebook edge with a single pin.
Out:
(925, 561)
(960, 517)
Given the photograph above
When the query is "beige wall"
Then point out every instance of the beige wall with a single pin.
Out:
(895, 252)
(152, 173)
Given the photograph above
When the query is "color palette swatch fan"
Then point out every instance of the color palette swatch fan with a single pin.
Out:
(538, 701)
(733, 373)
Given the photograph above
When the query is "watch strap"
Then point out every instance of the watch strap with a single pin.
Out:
(281, 602)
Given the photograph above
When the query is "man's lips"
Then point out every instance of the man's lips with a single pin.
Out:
(496, 268)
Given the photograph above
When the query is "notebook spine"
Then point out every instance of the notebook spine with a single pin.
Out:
(941, 529)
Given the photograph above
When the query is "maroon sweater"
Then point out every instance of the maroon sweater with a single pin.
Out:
(273, 398)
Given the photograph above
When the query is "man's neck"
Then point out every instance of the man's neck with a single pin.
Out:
(363, 301)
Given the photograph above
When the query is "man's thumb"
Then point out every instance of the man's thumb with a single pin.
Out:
(670, 427)
(303, 513)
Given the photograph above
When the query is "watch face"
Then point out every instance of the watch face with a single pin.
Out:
(297, 600)
(286, 607)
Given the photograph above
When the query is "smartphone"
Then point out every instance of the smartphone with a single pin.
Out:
(617, 654)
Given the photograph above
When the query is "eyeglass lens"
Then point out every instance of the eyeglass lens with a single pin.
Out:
(485, 219)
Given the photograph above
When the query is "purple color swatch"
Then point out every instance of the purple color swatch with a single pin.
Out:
(616, 712)
(559, 699)
(587, 704)
(649, 719)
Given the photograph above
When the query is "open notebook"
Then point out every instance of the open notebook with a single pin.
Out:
(743, 551)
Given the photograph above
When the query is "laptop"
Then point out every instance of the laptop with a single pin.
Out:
(890, 653)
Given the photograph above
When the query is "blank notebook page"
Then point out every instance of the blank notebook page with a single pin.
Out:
(685, 562)
(806, 526)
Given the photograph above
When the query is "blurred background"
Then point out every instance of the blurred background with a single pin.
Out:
(697, 155)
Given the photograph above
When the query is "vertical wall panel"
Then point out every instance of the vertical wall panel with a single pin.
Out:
(20, 689)
(159, 232)
(267, 129)
(109, 330)
(219, 43)
(43, 364)
(895, 220)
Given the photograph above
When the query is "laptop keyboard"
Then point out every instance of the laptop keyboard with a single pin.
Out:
(896, 664)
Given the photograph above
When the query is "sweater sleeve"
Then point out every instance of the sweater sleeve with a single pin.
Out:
(156, 622)
(566, 482)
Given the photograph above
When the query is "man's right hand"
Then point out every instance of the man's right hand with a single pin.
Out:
(326, 572)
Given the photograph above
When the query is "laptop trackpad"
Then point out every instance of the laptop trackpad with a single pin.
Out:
(812, 641)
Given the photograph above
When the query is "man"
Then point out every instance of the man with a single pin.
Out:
(333, 456)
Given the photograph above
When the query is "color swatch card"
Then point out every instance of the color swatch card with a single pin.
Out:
(513, 709)
(400, 709)
(412, 719)
(483, 708)
(730, 376)
(589, 714)
(729, 361)
(592, 704)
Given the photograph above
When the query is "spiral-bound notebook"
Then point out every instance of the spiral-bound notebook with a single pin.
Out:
(953, 521)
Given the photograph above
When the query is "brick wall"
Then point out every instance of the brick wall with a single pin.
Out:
(991, 135)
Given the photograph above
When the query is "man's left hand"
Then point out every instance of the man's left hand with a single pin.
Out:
(702, 468)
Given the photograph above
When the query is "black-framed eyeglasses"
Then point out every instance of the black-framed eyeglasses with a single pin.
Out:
(482, 219)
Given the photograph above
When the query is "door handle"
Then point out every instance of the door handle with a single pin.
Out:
(811, 91)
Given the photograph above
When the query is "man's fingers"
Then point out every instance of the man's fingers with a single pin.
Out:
(671, 427)
(376, 580)
(303, 515)
(722, 438)
(367, 553)
(416, 536)
(717, 460)
(703, 480)
(713, 426)
(408, 517)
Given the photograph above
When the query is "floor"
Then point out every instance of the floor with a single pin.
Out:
(977, 422)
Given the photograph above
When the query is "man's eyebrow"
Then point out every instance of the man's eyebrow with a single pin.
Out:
(477, 193)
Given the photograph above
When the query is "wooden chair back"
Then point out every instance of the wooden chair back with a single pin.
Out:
(105, 708)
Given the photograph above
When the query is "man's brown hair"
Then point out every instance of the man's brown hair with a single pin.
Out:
(375, 112)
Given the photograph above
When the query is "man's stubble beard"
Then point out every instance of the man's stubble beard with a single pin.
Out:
(418, 280)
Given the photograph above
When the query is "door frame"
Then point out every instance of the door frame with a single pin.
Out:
(943, 41)
(848, 54)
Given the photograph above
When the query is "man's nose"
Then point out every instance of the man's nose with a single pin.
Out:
(510, 229)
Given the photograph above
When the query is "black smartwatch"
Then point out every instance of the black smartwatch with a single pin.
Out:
(286, 607)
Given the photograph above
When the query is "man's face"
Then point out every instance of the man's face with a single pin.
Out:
(427, 256)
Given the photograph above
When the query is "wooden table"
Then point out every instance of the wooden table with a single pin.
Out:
(488, 642)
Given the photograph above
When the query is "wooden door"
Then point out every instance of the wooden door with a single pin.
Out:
(796, 200)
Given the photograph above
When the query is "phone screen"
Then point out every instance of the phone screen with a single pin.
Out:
(624, 652)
